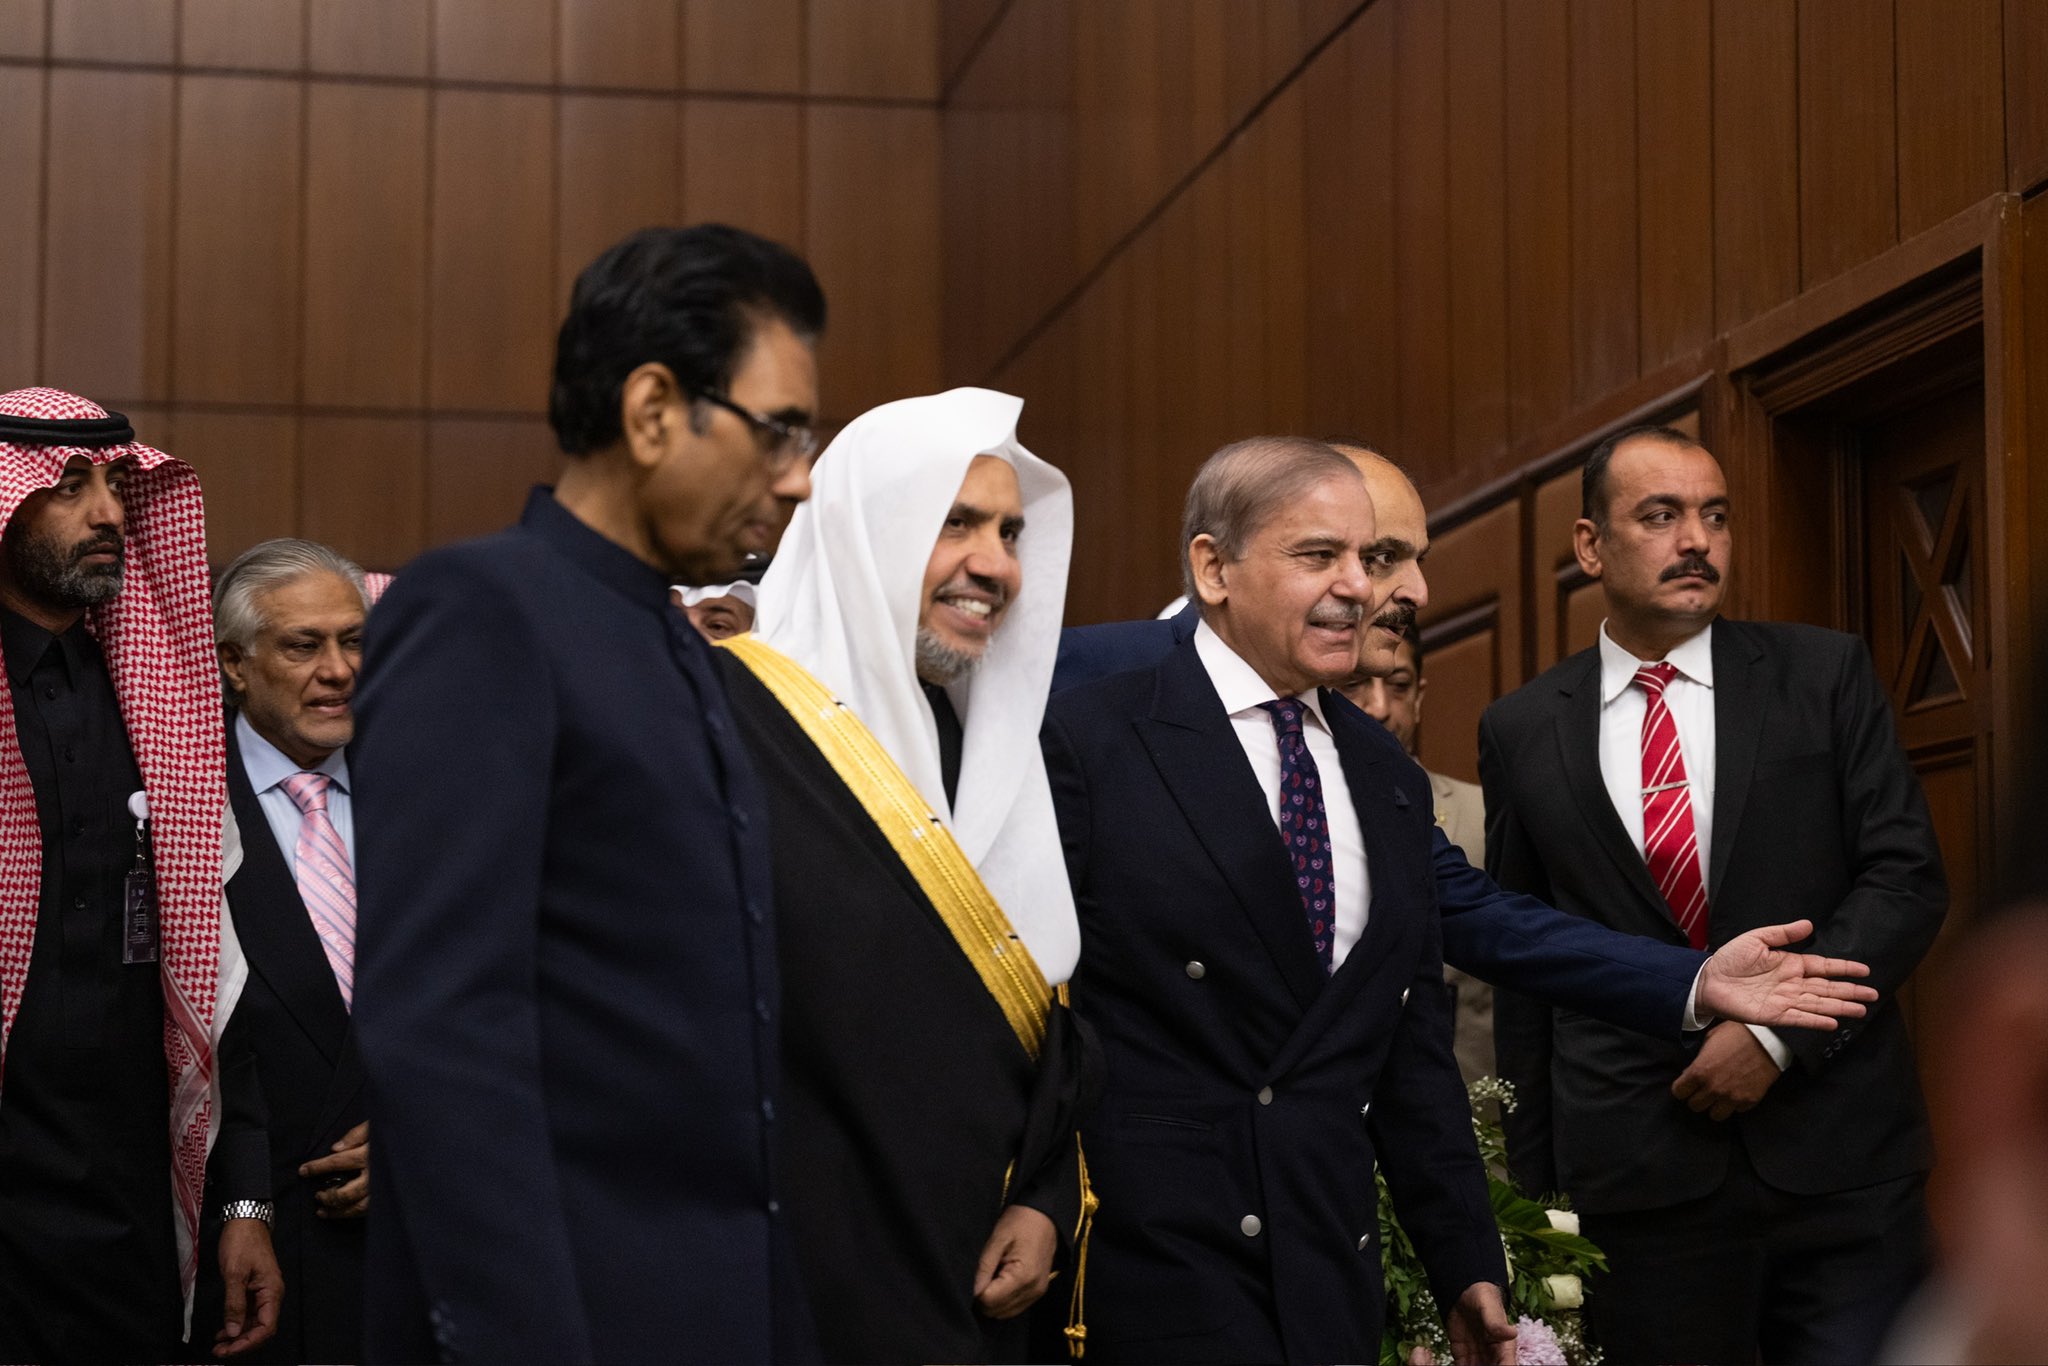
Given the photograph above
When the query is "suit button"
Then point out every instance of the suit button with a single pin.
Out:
(1250, 1226)
(1365, 1243)
(1404, 996)
(768, 1110)
(1197, 971)
(1365, 1110)
(1265, 1095)
(739, 819)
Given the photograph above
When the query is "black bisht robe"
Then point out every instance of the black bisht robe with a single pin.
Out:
(909, 1101)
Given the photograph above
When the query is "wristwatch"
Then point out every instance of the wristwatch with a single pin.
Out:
(247, 1209)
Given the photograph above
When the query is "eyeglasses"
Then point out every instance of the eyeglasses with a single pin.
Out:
(790, 443)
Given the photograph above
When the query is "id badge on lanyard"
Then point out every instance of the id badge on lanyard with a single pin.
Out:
(138, 902)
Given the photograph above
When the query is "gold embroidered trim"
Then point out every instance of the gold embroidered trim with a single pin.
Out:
(918, 836)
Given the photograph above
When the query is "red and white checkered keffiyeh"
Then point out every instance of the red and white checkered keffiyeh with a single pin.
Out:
(157, 635)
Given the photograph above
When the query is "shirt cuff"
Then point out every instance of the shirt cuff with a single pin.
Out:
(1773, 1045)
(1692, 1020)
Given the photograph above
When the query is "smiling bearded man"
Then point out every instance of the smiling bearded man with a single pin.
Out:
(922, 910)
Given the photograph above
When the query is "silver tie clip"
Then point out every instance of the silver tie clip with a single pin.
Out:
(1663, 787)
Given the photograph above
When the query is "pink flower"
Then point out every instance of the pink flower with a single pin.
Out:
(1536, 1345)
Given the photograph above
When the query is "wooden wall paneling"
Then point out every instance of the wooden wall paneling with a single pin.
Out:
(1284, 37)
(1040, 197)
(620, 160)
(1098, 81)
(1566, 607)
(1283, 193)
(363, 487)
(1170, 327)
(1606, 301)
(967, 220)
(1537, 47)
(1243, 309)
(1204, 90)
(1136, 162)
(755, 46)
(480, 470)
(886, 49)
(1374, 396)
(1848, 163)
(366, 245)
(107, 232)
(631, 44)
(1097, 584)
(1473, 631)
(495, 40)
(1337, 192)
(1461, 677)
(1176, 56)
(248, 471)
(491, 306)
(873, 238)
(1422, 260)
(963, 25)
(235, 305)
(1477, 216)
(21, 222)
(2026, 95)
(113, 30)
(370, 37)
(24, 31)
(256, 34)
(1203, 270)
(1675, 177)
(1951, 115)
(1756, 158)
(2022, 379)
(743, 164)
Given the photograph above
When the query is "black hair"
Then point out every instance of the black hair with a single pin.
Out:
(689, 298)
(1593, 479)
(1414, 638)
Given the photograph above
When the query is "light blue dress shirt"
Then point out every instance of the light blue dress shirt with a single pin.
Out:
(268, 768)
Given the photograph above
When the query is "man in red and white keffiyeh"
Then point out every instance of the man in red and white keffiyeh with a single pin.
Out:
(112, 995)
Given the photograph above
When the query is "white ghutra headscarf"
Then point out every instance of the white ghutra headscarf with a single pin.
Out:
(842, 599)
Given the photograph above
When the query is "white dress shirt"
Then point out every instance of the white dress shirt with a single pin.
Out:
(1690, 698)
(1243, 692)
(268, 767)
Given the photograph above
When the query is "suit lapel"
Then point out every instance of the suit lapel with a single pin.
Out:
(1740, 698)
(1578, 740)
(276, 934)
(1198, 756)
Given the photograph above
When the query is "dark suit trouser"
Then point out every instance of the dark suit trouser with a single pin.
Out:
(1751, 1273)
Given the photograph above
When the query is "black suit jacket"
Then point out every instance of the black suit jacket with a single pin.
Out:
(291, 1019)
(1817, 814)
(1244, 1084)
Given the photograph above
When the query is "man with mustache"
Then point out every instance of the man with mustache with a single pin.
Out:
(1260, 955)
(1758, 1192)
(923, 917)
(117, 968)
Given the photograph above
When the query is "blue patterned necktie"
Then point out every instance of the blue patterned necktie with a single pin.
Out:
(1303, 827)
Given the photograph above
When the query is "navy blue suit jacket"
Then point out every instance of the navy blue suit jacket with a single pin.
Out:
(566, 983)
(1500, 937)
(1249, 1094)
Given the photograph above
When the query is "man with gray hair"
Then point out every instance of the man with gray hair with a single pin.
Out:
(288, 622)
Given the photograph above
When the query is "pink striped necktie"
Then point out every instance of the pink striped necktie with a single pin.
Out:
(1671, 846)
(326, 882)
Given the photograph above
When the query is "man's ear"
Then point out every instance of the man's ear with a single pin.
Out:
(1586, 546)
(232, 664)
(651, 408)
(1205, 559)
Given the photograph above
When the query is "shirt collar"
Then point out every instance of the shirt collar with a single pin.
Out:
(1693, 658)
(24, 644)
(1239, 684)
(596, 554)
(267, 765)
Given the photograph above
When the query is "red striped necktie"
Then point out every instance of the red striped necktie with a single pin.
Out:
(1671, 846)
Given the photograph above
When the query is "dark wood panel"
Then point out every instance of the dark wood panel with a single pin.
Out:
(248, 471)
(963, 24)
(1163, 339)
(1204, 404)
(113, 30)
(1463, 678)
(1605, 300)
(1475, 594)
(366, 245)
(751, 45)
(1099, 584)
(743, 164)
(21, 221)
(1478, 232)
(1283, 194)
(633, 44)
(1283, 34)
(1422, 263)
(107, 275)
(1848, 167)
(491, 299)
(262, 34)
(2026, 94)
(1242, 310)
(882, 48)
(24, 31)
(1756, 158)
(1539, 230)
(1951, 119)
(1675, 179)
(495, 40)
(618, 174)
(872, 236)
(235, 309)
(479, 473)
(363, 487)
(1202, 82)
(1343, 186)
(374, 37)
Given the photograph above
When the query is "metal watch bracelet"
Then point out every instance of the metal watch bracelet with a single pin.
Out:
(247, 1209)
